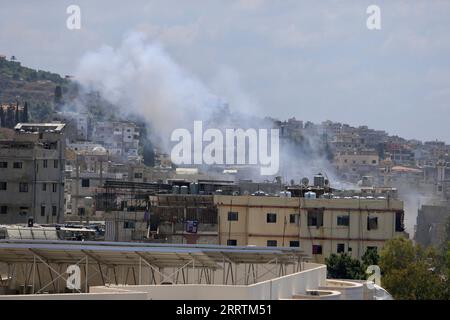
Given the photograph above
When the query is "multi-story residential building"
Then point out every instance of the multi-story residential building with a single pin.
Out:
(77, 125)
(120, 138)
(318, 226)
(346, 141)
(32, 174)
(401, 154)
(354, 164)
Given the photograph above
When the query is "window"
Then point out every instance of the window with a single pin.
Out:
(44, 187)
(85, 183)
(81, 211)
(343, 221)
(54, 187)
(17, 165)
(3, 165)
(294, 243)
(340, 248)
(23, 187)
(42, 211)
(3, 210)
(231, 242)
(271, 218)
(372, 223)
(45, 163)
(138, 175)
(54, 210)
(271, 243)
(316, 249)
(374, 161)
(399, 226)
(3, 185)
(55, 164)
(232, 216)
(129, 225)
(293, 218)
(315, 217)
(23, 211)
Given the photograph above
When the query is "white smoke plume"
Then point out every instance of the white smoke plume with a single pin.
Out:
(142, 79)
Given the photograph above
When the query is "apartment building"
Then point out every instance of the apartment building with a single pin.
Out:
(318, 226)
(77, 125)
(32, 174)
(121, 139)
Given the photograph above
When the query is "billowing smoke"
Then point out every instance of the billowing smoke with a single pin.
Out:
(143, 80)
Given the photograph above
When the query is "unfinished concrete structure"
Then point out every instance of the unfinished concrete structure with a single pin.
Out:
(183, 218)
(431, 223)
(32, 174)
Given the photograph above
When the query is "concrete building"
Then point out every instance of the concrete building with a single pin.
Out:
(77, 125)
(318, 226)
(32, 174)
(121, 139)
(431, 224)
(361, 162)
(183, 218)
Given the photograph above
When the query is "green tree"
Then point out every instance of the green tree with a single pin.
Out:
(24, 117)
(411, 272)
(370, 257)
(343, 266)
(58, 97)
(16, 114)
(9, 118)
(2, 117)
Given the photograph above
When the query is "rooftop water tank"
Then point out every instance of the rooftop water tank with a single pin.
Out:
(310, 195)
(194, 188)
(184, 190)
(319, 180)
(285, 194)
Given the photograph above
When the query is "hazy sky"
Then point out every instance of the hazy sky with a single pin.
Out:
(315, 60)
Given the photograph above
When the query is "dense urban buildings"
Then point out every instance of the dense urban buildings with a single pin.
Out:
(32, 163)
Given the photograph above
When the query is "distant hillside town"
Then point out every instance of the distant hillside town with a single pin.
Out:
(95, 169)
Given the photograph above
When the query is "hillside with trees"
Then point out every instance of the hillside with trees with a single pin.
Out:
(36, 88)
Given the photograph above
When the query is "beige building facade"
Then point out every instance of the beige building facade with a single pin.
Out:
(318, 226)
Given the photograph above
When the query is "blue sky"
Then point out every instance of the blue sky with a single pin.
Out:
(314, 60)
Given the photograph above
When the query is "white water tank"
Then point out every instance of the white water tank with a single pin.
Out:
(310, 195)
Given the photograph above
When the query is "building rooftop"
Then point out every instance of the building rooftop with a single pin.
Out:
(40, 127)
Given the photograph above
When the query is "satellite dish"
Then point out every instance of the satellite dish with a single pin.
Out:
(305, 181)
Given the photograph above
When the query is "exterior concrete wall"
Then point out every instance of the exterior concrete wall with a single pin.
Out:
(33, 150)
(349, 290)
(252, 227)
(431, 224)
(79, 296)
(274, 289)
